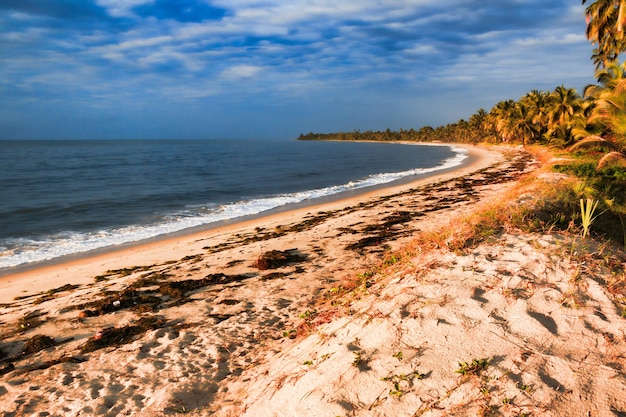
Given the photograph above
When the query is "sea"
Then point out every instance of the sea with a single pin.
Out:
(66, 197)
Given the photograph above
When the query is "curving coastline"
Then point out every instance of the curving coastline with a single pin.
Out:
(251, 318)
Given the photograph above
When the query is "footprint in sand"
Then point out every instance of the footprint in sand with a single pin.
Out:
(546, 321)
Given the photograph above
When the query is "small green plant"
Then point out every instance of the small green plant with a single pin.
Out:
(473, 368)
(587, 209)
(308, 315)
(398, 379)
(309, 363)
(391, 260)
(358, 359)
(396, 391)
(290, 334)
(398, 356)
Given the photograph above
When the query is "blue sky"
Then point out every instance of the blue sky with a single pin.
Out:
(82, 69)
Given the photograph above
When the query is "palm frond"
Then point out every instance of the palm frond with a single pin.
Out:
(591, 141)
(610, 159)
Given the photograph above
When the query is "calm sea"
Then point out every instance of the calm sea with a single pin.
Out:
(65, 197)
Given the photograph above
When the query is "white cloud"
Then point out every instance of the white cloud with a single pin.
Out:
(121, 8)
(241, 71)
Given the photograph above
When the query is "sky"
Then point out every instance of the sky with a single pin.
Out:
(144, 69)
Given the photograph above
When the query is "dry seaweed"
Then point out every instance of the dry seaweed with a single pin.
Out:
(50, 294)
(274, 275)
(179, 289)
(30, 321)
(121, 272)
(117, 336)
(277, 259)
(38, 343)
(48, 364)
(116, 301)
(150, 300)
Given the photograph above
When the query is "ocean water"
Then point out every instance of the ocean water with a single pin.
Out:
(60, 198)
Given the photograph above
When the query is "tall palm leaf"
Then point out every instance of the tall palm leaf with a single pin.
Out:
(609, 111)
(606, 20)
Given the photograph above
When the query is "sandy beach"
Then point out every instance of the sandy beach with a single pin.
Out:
(324, 311)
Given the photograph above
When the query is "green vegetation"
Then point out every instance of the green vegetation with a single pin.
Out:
(472, 368)
(587, 210)
(589, 130)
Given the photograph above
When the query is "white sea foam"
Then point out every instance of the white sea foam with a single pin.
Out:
(23, 251)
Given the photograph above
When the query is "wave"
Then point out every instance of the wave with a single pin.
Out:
(20, 251)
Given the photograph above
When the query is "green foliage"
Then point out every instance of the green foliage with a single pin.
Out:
(402, 382)
(473, 368)
(587, 210)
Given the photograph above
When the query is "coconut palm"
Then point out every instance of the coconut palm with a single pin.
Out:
(501, 113)
(562, 105)
(480, 126)
(537, 103)
(606, 21)
(609, 111)
(517, 123)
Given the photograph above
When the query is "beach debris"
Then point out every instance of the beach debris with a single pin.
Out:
(30, 321)
(85, 313)
(48, 364)
(117, 336)
(128, 298)
(38, 343)
(277, 259)
(179, 289)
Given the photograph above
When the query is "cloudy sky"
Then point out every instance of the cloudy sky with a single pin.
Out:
(274, 68)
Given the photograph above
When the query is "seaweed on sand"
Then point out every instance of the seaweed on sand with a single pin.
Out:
(30, 321)
(117, 336)
(48, 364)
(38, 343)
(149, 300)
(399, 218)
(179, 289)
(277, 259)
(128, 298)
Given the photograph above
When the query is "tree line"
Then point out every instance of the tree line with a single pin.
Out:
(561, 117)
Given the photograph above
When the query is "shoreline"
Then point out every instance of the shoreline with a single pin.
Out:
(360, 307)
(69, 240)
(44, 275)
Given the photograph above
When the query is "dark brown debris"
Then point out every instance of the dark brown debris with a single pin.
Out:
(117, 336)
(277, 259)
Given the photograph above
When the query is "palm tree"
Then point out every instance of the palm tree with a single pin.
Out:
(537, 103)
(609, 111)
(501, 114)
(563, 105)
(520, 123)
(479, 126)
(605, 27)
